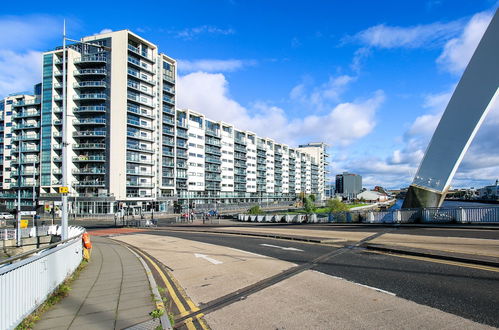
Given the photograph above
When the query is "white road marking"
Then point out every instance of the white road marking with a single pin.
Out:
(282, 247)
(365, 286)
(205, 257)
(251, 253)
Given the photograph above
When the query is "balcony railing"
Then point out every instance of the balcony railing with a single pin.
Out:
(139, 112)
(138, 52)
(89, 84)
(89, 159)
(92, 121)
(90, 72)
(90, 96)
(24, 126)
(90, 59)
(26, 114)
(28, 102)
(26, 137)
(91, 183)
(89, 134)
(91, 170)
(139, 148)
(96, 108)
(89, 146)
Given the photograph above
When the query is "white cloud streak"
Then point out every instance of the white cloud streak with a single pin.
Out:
(191, 33)
(213, 65)
(424, 35)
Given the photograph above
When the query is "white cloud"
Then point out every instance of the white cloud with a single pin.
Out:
(104, 31)
(19, 71)
(320, 98)
(191, 33)
(209, 93)
(213, 65)
(458, 51)
(20, 67)
(32, 30)
(424, 35)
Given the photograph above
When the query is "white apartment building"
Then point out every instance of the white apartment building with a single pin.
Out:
(318, 150)
(128, 143)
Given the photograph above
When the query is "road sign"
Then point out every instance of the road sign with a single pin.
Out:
(27, 213)
(63, 190)
(24, 223)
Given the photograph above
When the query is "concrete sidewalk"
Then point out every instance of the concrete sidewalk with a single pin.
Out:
(112, 292)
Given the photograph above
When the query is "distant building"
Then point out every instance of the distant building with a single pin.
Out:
(329, 191)
(318, 151)
(348, 184)
(489, 192)
(373, 196)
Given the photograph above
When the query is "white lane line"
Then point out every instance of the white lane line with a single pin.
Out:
(205, 257)
(251, 253)
(365, 286)
(282, 247)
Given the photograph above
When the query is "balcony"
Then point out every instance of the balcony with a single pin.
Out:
(139, 160)
(138, 124)
(213, 151)
(168, 131)
(168, 164)
(182, 134)
(85, 72)
(26, 160)
(137, 172)
(140, 112)
(168, 121)
(213, 160)
(168, 142)
(136, 98)
(91, 109)
(25, 103)
(136, 74)
(137, 147)
(182, 123)
(91, 59)
(26, 126)
(90, 134)
(27, 149)
(212, 132)
(212, 168)
(212, 177)
(26, 137)
(181, 154)
(137, 51)
(89, 171)
(137, 136)
(24, 173)
(168, 79)
(89, 159)
(141, 65)
(90, 84)
(239, 148)
(213, 142)
(26, 114)
(139, 185)
(92, 121)
(168, 100)
(169, 90)
(91, 183)
(90, 96)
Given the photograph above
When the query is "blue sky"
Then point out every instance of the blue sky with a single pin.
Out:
(371, 78)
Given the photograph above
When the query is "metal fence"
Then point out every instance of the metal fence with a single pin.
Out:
(26, 282)
(427, 215)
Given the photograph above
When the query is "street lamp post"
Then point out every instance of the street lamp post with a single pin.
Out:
(18, 227)
(64, 183)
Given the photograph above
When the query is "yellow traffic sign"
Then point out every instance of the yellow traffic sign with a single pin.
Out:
(24, 223)
(63, 190)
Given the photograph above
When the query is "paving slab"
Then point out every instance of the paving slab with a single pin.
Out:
(101, 298)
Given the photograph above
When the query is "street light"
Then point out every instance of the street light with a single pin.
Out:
(64, 183)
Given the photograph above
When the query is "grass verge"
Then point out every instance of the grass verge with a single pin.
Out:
(59, 293)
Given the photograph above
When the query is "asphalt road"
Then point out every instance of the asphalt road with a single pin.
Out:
(472, 293)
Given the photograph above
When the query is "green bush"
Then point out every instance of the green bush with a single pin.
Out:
(335, 205)
(255, 210)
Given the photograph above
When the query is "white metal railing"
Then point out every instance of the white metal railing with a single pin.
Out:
(25, 282)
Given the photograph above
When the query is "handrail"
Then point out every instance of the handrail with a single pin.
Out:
(24, 254)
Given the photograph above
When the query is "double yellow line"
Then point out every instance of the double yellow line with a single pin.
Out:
(182, 309)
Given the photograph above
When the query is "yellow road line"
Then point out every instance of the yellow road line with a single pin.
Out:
(176, 300)
(439, 261)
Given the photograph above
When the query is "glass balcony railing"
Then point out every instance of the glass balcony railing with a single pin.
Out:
(90, 121)
(89, 170)
(90, 72)
(26, 114)
(89, 158)
(96, 108)
(89, 134)
(89, 84)
(90, 96)
(91, 59)
(89, 146)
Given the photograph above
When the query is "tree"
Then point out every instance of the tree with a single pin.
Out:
(335, 205)
(312, 197)
(308, 205)
(255, 210)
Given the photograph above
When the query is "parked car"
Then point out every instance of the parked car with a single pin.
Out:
(6, 216)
